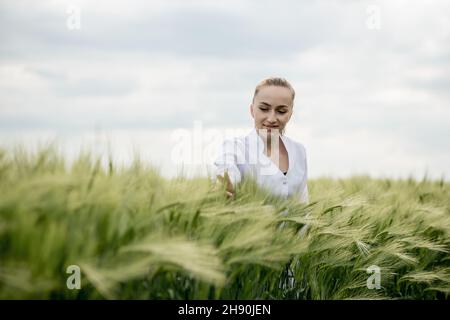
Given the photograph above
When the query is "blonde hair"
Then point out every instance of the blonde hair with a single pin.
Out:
(274, 81)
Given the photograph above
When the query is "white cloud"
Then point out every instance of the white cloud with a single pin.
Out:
(142, 69)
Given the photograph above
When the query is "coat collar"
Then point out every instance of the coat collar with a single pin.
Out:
(258, 142)
(255, 148)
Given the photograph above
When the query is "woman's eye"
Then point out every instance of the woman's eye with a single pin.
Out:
(282, 112)
(263, 109)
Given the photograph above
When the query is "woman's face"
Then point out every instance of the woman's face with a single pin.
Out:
(272, 108)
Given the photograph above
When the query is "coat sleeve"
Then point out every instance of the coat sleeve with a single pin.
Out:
(304, 193)
(230, 154)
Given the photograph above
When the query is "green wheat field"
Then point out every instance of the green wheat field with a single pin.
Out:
(137, 235)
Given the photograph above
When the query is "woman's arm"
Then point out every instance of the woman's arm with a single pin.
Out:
(227, 171)
(228, 185)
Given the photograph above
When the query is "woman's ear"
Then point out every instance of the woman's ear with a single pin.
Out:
(251, 111)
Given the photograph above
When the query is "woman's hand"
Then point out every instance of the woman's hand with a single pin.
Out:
(225, 180)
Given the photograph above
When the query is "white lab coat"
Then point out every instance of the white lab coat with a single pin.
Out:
(244, 156)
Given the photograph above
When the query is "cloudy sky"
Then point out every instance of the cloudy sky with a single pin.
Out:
(372, 79)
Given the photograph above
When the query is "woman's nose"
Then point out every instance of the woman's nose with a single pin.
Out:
(272, 118)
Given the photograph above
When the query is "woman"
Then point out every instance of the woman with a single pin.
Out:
(275, 161)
